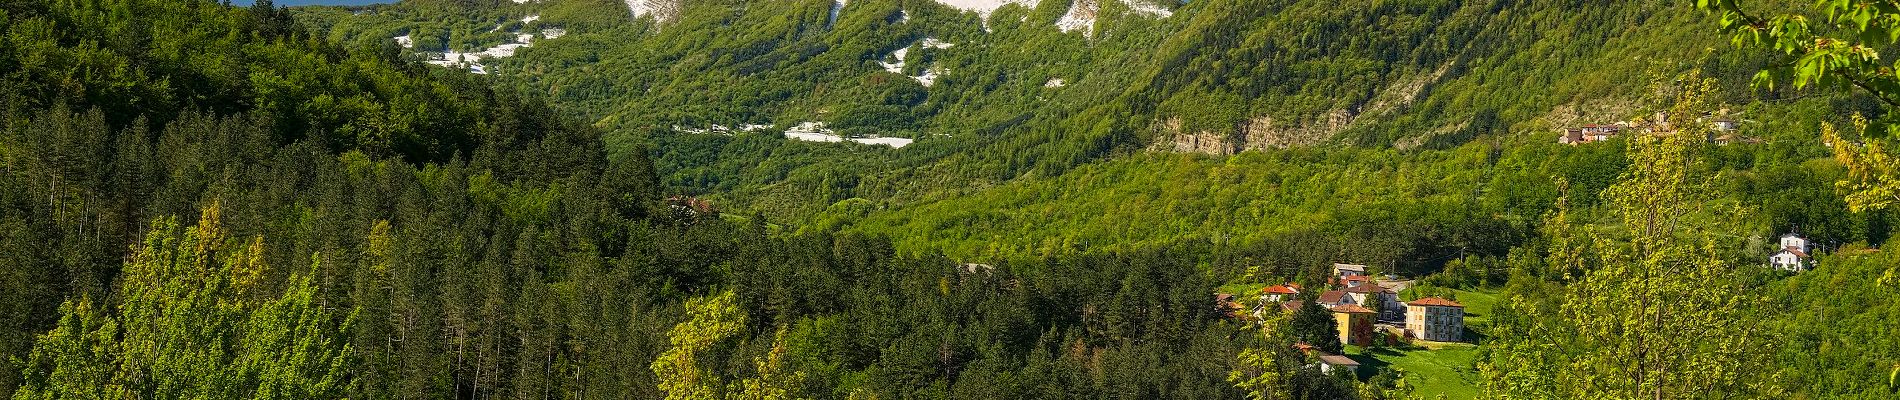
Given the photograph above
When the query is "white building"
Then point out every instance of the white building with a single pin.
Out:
(1391, 309)
(1342, 271)
(1793, 255)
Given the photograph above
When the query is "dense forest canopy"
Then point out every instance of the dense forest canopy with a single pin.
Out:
(207, 200)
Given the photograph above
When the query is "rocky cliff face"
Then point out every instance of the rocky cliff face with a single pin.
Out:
(1254, 134)
(1267, 132)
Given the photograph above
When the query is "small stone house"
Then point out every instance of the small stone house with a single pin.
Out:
(1330, 362)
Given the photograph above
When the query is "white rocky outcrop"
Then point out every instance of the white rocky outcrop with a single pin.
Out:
(930, 75)
(1080, 17)
(661, 10)
(817, 132)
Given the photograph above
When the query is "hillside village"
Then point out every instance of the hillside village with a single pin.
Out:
(1723, 129)
(1367, 310)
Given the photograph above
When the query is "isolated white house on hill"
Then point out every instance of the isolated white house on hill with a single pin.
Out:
(1793, 255)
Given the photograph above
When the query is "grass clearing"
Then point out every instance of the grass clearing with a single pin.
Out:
(1436, 368)
(1447, 370)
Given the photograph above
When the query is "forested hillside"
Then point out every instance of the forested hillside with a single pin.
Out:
(207, 201)
(1021, 92)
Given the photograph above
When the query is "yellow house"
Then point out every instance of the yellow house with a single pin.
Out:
(1355, 324)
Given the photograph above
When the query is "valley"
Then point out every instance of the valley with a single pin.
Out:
(698, 199)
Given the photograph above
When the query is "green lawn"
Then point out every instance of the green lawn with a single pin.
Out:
(1440, 368)
(1447, 370)
(1242, 290)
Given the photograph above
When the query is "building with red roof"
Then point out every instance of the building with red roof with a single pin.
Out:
(1435, 319)
(1793, 256)
(1369, 294)
(1332, 298)
(1356, 280)
(1279, 293)
(1355, 324)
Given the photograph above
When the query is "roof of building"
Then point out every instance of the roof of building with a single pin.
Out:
(1291, 305)
(1337, 360)
(1796, 251)
(1223, 297)
(1331, 297)
(1349, 267)
(1359, 278)
(1351, 309)
(1434, 301)
(1281, 289)
(1366, 289)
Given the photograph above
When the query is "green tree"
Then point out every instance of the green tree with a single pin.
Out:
(710, 319)
(1315, 325)
(78, 359)
(775, 380)
(200, 327)
(293, 348)
(1661, 314)
(1257, 370)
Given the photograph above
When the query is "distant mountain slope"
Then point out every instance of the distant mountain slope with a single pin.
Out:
(1233, 74)
(1000, 89)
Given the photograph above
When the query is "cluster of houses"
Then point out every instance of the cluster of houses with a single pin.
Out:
(1722, 129)
(1363, 308)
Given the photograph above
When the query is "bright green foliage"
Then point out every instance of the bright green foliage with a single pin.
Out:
(293, 346)
(1658, 312)
(1258, 372)
(184, 329)
(1837, 44)
(712, 319)
(1873, 170)
(1836, 316)
(775, 380)
(77, 359)
(180, 311)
